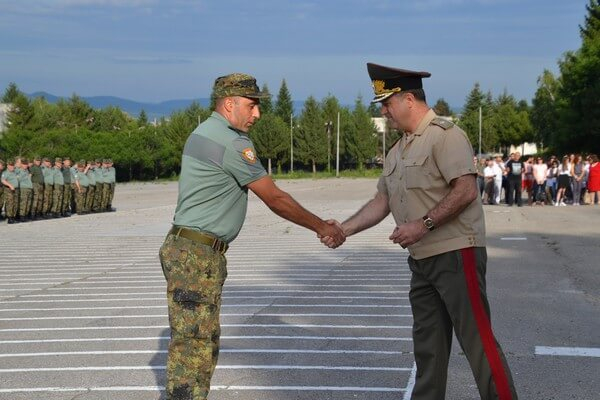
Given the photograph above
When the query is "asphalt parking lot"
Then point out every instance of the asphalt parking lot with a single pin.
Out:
(83, 311)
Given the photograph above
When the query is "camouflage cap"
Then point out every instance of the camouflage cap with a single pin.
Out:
(66, 158)
(24, 161)
(81, 163)
(37, 159)
(58, 160)
(98, 161)
(237, 84)
(10, 162)
(105, 161)
(91, 162)
(45, 159)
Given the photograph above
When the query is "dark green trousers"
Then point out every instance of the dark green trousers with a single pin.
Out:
(447, 292)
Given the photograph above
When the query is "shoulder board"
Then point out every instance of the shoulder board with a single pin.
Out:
(442, 123)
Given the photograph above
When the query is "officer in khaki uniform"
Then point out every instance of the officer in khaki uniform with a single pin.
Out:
(429, 185)
(219, 165)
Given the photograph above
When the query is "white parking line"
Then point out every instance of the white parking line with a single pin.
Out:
(282, 326)
(350, 306)
(567, 351)
(224, 297)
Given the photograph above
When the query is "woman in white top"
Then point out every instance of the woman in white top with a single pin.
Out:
(540, 170)
(564, 180)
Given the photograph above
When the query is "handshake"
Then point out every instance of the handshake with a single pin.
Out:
(332, 234)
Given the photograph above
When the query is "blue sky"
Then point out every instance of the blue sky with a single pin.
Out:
(155, 50)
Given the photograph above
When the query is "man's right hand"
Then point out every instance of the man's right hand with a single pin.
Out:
(332, 234)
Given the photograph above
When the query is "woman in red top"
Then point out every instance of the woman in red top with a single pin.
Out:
(594, 180)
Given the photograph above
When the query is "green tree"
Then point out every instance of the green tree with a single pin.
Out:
(143, 118)
(469, 120)
(330, 107)
(11, 93)
(21, 113)
(442, 107)
(270, 137)
(544, 113)
(311, 141)
(511, 122)
(283, 105)
(578, 104)
(266, 103)
(362, 139)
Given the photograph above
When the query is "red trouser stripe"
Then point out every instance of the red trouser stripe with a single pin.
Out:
(484, 326)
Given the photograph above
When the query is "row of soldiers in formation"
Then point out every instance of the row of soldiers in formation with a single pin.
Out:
(43, 190)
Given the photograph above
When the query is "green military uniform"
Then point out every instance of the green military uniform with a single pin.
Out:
(48, 173)
(59, 188)
(81, 182)
(112, 181)
(448, 264)
(217, 164)
(37, 178)
(11, 197)
(66, 201)
(91, 191)
(105, 186)
(25, 192)
(73, 204)
(99, 178)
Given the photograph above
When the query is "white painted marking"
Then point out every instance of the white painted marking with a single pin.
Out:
(223, 338)
(224, 305)
(513, 238)
(567, 351)
(225, 367)
(213, 388)
(232, 351)
(224, 296)
(282, 326)
(248, 314)
(411, 382)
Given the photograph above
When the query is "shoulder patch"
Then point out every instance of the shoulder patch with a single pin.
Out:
(248, 155)
(442, 123)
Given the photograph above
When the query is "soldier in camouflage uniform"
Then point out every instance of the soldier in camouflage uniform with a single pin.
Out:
(218, 157)
(91, 190)
(37, 178)
(67, 177)
(81, 183)
(10, 181)
(99, 178)
(112, 181)
(48, 173)
(25, 191)
(58, 190)
(105, 186)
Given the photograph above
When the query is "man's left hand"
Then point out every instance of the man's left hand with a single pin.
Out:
(408, 234)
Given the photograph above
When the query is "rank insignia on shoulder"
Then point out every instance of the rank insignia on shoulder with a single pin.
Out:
(249, 155)
(442, 123)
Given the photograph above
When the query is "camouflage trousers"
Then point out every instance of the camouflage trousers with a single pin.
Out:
(111, 195)
(66, 201)
(47, 204)
(11, 198)
(2, 189)
(195, 274)
(38, 198)
(57, 198)
(25, 197)
(89, 197)
(97, 202)
(105, 196)
(80, 198)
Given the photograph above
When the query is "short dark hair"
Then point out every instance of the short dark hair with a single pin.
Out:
(418, 93)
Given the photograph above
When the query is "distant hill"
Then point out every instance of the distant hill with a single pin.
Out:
(133, 108)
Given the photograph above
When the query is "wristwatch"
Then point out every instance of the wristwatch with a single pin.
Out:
(428, 222)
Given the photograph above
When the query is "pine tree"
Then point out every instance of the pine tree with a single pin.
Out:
(441, 107)
(270, 137)
(142, 119)
(544, 115)
(311, 141)
(266, 103)
(284, 106)
(11, 93)
(362, 140)
(331, 107)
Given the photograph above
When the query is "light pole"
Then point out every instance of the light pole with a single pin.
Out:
(291, 142)
(328, 126)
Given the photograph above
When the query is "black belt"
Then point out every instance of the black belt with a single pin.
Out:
(215, 243)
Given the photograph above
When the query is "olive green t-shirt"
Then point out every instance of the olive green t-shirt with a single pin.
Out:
(218, 163)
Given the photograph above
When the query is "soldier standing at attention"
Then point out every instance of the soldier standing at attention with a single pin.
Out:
(1, 191)
(105, 186)
(58, 190)
(219, 165)
(72, 204)
(37, 179)
(99, 178)
(48, 173)
(66, 201)
(25, 191)
(429, 184)
(81, 183)
(10, 181)
(91, 190)
(112, 180)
